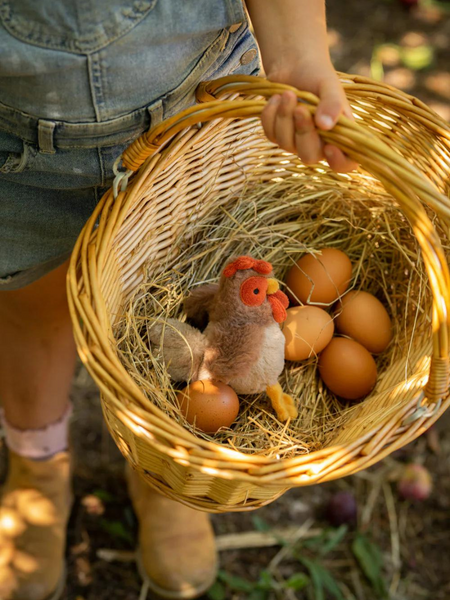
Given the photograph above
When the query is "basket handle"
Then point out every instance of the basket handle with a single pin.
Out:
(210, 108)
(401, 179)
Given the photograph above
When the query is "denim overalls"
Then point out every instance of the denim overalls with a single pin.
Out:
(79, 81)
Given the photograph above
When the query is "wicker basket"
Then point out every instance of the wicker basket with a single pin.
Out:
(396, 139)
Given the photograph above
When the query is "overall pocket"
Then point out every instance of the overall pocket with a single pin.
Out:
(76, 27)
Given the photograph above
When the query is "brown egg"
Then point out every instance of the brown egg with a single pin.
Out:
(322, 278)
(347, 369)
(307, 329)
(209, 405)
(362, 317)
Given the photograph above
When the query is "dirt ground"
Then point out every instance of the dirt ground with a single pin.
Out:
(411, 541)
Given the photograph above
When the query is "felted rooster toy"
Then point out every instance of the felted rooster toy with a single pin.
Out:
(242, 344)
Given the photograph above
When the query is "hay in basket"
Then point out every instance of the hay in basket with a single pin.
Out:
(207, 194)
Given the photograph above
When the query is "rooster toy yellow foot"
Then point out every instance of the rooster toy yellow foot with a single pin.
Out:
(282, 403)
(242, 344)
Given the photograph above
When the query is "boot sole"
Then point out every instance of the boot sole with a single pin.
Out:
(168, 594)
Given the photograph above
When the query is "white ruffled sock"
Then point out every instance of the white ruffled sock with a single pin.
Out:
(38, 444)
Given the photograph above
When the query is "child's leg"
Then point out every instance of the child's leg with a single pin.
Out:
(37, 352)
(37, 358)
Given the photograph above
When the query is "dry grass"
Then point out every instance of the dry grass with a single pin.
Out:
(278, 221)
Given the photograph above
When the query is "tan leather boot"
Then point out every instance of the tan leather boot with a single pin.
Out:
(34, 510)
(177, 554)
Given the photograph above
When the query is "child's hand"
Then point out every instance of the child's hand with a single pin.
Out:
(292, 37)
(290, 125)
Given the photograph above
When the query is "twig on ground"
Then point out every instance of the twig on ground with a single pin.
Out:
(234, 541)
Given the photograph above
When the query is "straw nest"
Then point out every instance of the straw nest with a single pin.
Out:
(278, 221)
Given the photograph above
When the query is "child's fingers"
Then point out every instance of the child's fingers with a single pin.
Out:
(332, 103)
(284, 122)
(337, 160)
(291, 127)
(307, 140)
(268, 116)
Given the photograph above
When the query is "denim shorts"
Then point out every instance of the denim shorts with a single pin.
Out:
(79, 81)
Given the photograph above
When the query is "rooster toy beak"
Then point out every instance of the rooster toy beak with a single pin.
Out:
(273, 286)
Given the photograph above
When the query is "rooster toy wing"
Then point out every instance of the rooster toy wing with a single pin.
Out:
(242, 345)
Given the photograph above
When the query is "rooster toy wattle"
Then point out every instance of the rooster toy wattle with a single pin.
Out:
(242, 344)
